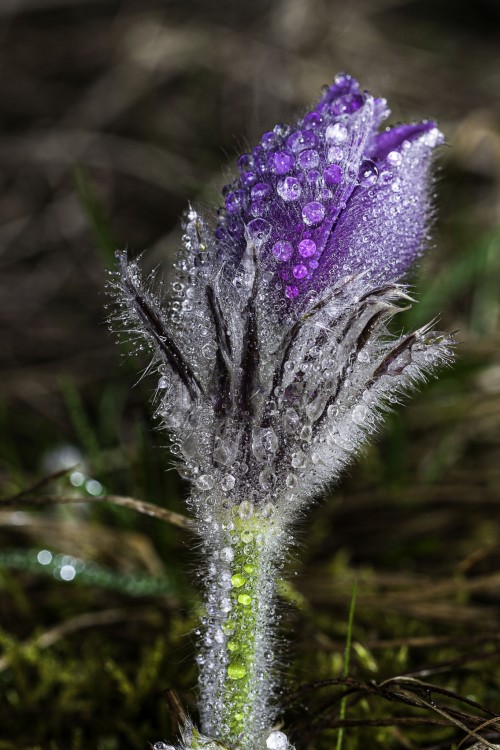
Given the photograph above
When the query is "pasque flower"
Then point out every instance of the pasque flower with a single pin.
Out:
(275, 363)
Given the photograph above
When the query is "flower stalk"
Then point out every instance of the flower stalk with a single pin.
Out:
(237, 653)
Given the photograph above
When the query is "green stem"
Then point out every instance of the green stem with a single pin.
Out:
(237, 681)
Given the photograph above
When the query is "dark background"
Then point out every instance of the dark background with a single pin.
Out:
(114, 116)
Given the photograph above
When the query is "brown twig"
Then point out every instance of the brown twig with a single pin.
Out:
(141, 506)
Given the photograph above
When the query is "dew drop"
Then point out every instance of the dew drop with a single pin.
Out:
(306, 433)
(232, 646)
(335, 154)
(228, 627)
(209, 351)
(291, 291)
(283, 162)
(301, 140)
(308, 159)
(307, 248)
(312, 120)
(368, 173)
(298, 460)
(236, 671)
(332, 174)
(313, 213)
(359, 414)
(258, 230)
(289, 189)
(234, 201)
(399, 363)
(291, 481)
(336, 133)
(245, 599)
(277, 741)
(291, 420)
(245, 510)
(267, 478)
(282, 250)
(299, 271)
(219, 636)
(238, 580)
(227, 482)
(260, 190)
(227, 554)
(394, 158)
(162, 384)
(267, 511)
(205, 482)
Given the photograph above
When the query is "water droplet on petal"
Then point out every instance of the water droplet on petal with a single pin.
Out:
(234, 201)
(336, 133)
(162, 384)
(258, 230)
(227, 554)
(300, 140)
(245, 162)
(283, 162)
(313, 213)
(335, 154)
(289, 189)
(307, 248)
(209, 351)
(245, 599)
(368, 173)
(312, 120)
(260, 190)
(332, 175)
(291, 291)
(394, 158)
(308, 159)
(283, 250)
(300, 271)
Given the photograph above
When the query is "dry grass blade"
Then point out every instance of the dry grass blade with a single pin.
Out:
(141, 506)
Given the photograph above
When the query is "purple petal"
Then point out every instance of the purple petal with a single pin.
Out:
(383, 228)
(331, 182)
(392, 138)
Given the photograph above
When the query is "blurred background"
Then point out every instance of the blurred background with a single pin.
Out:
(115, 114)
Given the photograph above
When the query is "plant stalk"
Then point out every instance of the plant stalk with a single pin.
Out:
(236, 676)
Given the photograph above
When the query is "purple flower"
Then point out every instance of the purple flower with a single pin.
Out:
(272, 348)
(359, 196)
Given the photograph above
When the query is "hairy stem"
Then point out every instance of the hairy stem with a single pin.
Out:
(236, 680)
